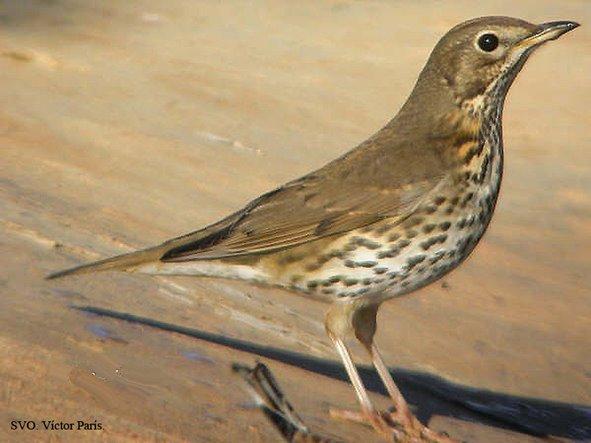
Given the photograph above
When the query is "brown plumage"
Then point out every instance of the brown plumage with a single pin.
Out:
(394, 214)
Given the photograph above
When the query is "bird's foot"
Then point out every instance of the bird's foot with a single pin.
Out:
(394, 427)
(374, 419)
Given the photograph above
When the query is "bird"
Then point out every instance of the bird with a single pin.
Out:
(394, 214)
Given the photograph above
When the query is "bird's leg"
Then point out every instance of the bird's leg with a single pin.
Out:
(402, 411)
(364, 325)
(368, 411)
(336, 328)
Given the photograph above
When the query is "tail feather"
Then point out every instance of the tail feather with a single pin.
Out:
(119, 262)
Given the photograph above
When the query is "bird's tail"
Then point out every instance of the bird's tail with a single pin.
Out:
(119, 262)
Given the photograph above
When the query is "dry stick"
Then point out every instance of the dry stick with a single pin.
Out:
(263, 387)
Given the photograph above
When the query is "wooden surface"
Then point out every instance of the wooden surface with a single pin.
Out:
(125, 123)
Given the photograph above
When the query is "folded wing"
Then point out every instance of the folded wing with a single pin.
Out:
(335, 199)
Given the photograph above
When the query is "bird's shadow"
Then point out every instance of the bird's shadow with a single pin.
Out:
(430, 394)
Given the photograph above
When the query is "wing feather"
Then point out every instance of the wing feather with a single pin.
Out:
(363, 187)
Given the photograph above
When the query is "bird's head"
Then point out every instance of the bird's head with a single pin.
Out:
(482, 56)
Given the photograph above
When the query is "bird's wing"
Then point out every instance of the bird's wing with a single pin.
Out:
(338, 198)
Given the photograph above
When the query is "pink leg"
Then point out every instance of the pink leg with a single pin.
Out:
(368, 411)
(364, 324)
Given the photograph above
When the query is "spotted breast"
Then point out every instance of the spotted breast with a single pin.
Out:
(391, 258)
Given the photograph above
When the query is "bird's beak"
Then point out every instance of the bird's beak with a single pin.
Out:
(546, 32)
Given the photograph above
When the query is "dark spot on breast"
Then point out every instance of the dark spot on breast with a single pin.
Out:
(393, 237)
(479, 177)
(461, 224)
(312, 284)
(444, 226)
(489, 203)
(433, 240)
(469, 196)
(428, 228)
(430, 209)
(350, 247)
(328, 291)
(337, 254)
(449, 210)
(367, 281)
(390, 253)
(454, 201)
(367, 243)
(413, 221)
(385, 228)
(411, 233)
(335, 279)
(322, 259)
(413, 261)
(464, 245)
(349, 264)
(437, 257)
(474, 151)
(484, 168)
(439, 200)
(403, 244)
(350, 281)
(366, 264)
(427, 244)
(380, 270)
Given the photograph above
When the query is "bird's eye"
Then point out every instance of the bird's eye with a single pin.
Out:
(488, 42)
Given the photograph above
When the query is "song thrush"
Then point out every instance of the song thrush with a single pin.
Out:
(392, 215)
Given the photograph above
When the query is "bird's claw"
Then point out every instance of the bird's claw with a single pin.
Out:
(394, 427)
